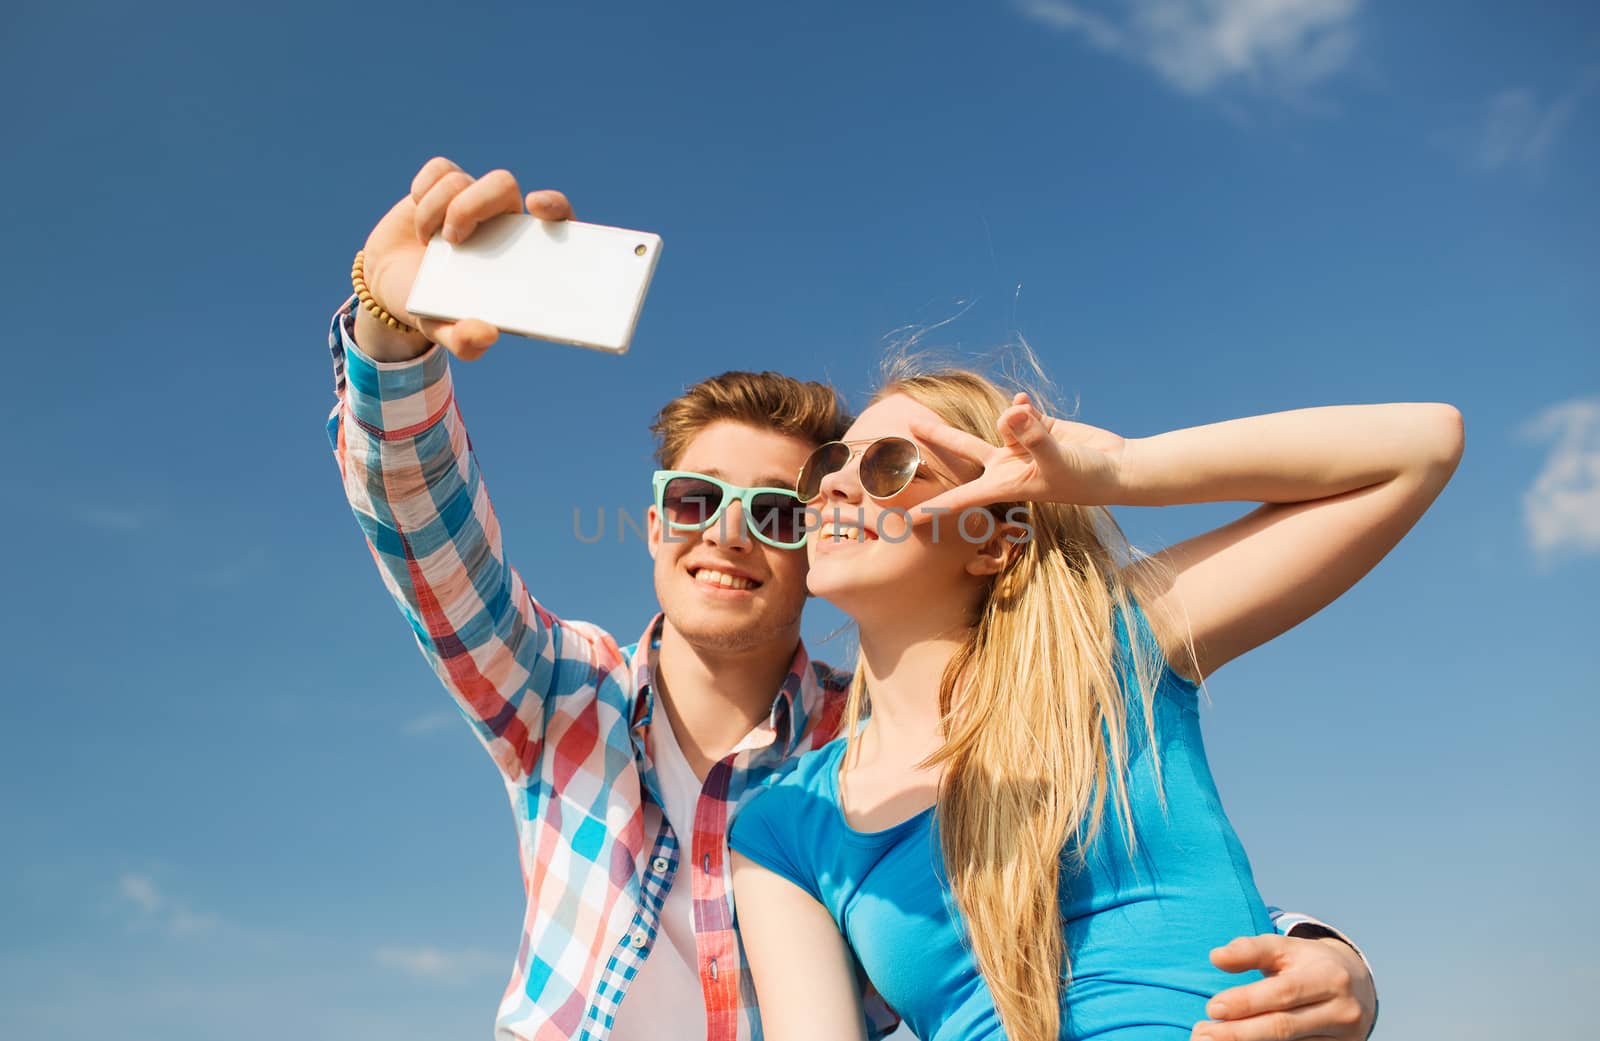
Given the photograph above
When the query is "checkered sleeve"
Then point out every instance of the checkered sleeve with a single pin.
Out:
(1293, 923)
(414, 485)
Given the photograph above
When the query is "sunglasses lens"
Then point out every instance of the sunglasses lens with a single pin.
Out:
(690, 502)
(827, 459)
(888, 466)
(781, 518)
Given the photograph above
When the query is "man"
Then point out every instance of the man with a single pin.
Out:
(625, 765)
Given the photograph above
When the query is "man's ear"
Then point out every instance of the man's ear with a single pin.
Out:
(652, 528)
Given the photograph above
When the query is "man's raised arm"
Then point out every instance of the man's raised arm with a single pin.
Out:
(414, 484)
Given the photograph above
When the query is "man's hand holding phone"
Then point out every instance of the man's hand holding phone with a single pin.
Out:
(444, 199)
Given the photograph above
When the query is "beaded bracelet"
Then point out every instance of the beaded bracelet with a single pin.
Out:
(358, 281)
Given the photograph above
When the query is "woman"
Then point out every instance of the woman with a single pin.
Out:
(1024, 840)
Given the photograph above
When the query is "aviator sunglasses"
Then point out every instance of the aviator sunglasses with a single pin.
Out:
(888, 465)
(689, 501)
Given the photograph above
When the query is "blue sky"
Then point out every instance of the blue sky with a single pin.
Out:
(234, 801)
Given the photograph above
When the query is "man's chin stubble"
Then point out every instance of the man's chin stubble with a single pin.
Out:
(737, 638)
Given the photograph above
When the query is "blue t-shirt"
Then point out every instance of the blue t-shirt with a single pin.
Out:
(1137, 932)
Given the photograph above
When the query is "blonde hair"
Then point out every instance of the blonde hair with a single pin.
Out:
(1034, 725)
(769, 400)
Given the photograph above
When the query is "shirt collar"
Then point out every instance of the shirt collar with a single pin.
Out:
(798, 700)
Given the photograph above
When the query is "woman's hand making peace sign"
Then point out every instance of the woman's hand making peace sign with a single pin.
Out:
(1039, 458)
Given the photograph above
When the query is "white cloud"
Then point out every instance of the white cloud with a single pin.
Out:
(1518, 129)
(160, 909)
(1199, 45)
(1562, 509)
(431, 963)
(432, 723)
(141, 890)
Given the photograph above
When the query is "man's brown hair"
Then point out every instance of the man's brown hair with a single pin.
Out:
(768, 400)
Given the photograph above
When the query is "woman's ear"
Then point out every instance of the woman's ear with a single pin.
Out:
(1001, 549)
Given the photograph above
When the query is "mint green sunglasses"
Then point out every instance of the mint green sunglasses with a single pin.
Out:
(689, 501)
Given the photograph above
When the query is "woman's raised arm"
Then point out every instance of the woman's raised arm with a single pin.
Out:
(1340, 487)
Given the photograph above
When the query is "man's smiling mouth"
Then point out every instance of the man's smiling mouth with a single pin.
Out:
(710, 576)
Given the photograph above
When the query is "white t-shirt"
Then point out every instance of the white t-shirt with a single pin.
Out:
(664, 1002)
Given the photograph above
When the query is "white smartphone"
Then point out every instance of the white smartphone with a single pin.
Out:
(563, 281)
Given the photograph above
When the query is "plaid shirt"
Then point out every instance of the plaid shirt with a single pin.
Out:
(563, 710)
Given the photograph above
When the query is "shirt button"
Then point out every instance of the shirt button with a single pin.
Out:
(659, 865)
(705, 863)
(639, 938)
(713, 968)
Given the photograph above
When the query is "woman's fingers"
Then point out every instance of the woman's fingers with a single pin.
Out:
(978, 493)
(1024, 425)
(957, 443)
